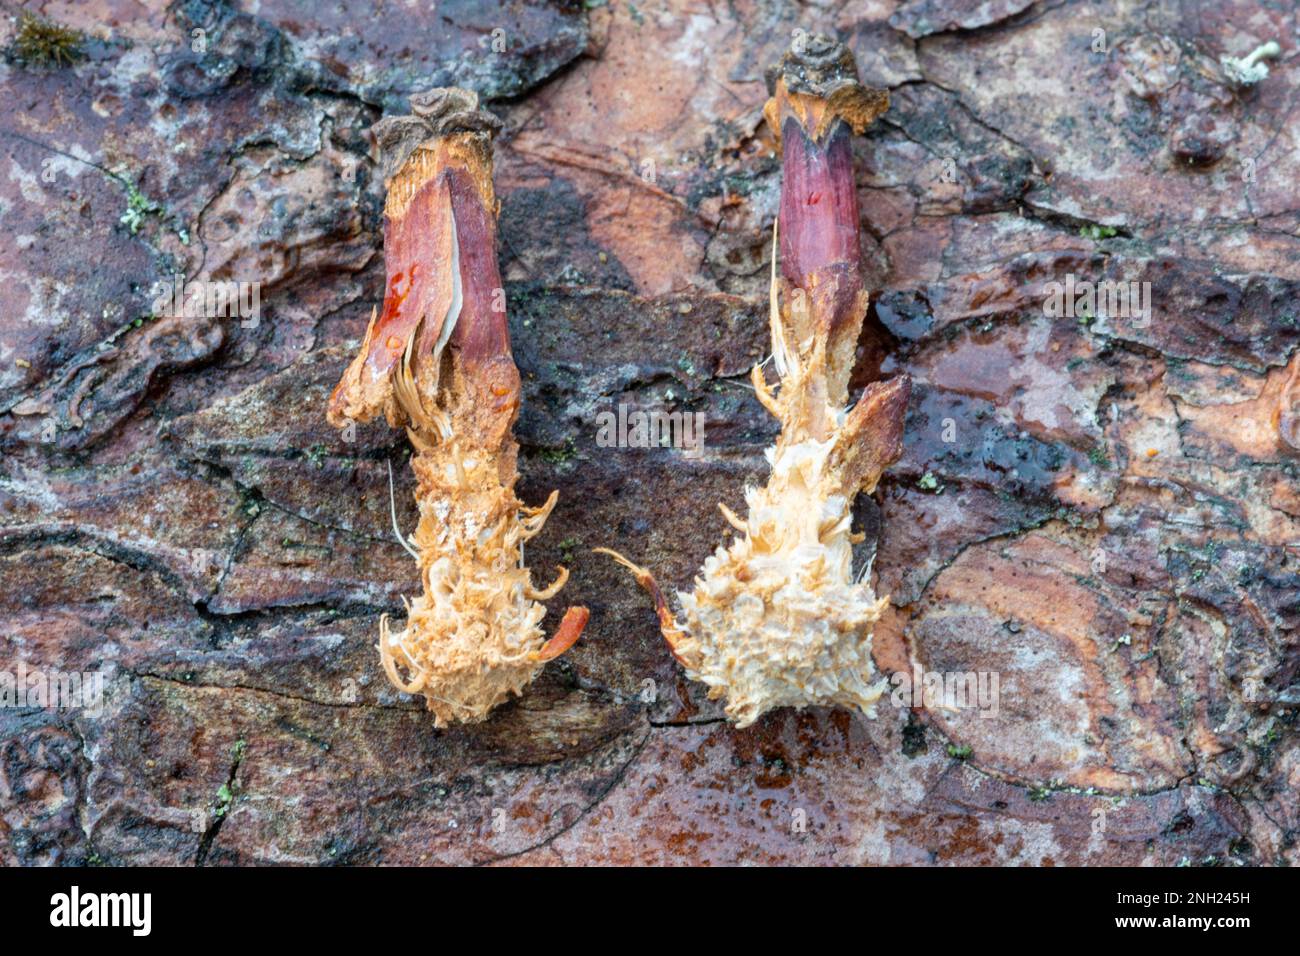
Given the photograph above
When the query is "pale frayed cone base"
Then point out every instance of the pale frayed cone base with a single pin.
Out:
(473, 638)
(776, 619)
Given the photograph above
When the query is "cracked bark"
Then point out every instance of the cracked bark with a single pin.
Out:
(634, 258)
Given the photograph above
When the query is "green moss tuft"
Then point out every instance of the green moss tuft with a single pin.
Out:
(41, 42)
(1096, 232)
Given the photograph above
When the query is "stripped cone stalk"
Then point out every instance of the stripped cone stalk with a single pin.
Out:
(778, 617)
(436, 360)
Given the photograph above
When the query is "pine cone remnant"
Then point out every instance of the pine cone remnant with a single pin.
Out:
(777, 618)
(436, 360)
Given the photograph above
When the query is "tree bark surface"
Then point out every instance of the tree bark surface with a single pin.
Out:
(1101, 509)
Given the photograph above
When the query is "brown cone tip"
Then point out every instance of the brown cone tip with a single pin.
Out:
(817, 80)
